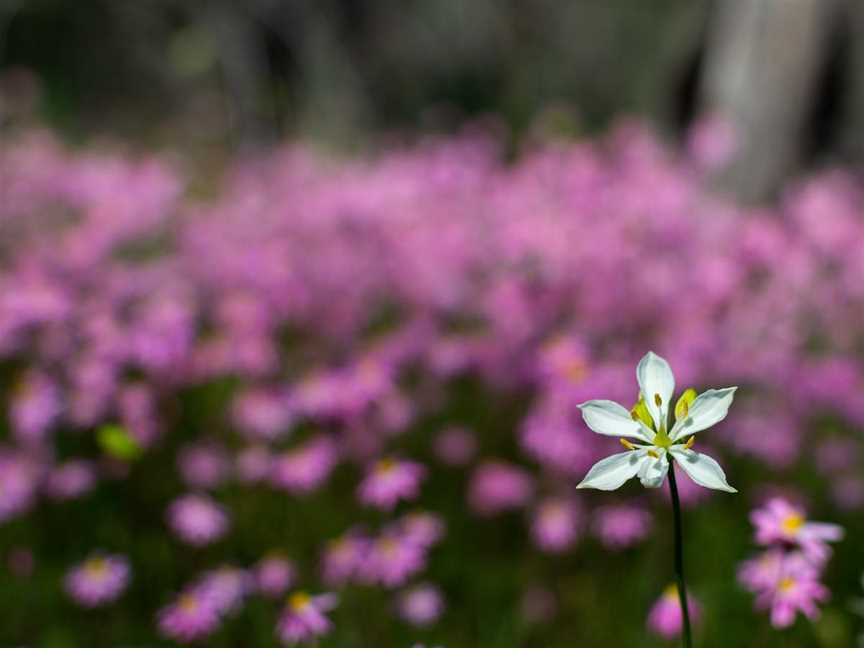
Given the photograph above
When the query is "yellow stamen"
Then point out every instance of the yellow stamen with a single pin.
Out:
(690, 443)
(627, 444)
(682, 407)
(657, 400)
(651, 453)
(792, 523)
(640, 412)
(385, 465)
(786, 584)
(299, 600)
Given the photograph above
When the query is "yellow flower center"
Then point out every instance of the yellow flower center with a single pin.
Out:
(188, 603)
(792, 523)
(385, 465)
(576, 370)
(786, 584)
(96, 566)
(299, 600)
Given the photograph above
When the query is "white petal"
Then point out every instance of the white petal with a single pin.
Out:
(609, 473)
(611, 419)
(655, 377)
(702, 469)
(653, 470)
(709, 408)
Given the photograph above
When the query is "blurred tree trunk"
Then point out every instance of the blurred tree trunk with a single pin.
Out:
(245, 72)
(762, 66)
(851, 132)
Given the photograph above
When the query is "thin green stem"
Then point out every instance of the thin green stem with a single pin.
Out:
(679, 556)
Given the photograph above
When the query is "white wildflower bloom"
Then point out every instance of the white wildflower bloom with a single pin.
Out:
(655, 444)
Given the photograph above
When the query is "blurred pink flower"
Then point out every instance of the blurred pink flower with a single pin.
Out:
(455, 446)
(620, 527)
(197, 519)
(389, 481)
(70, 480)
(780, 521)
(203, 465)
(98, 580)
(556, 525)
(421, 605)
(391, 560)
(274, 574)
(305, 468)
(343, 558)
(190, 618)
(304, 617)
(665, 618)
(497, 487)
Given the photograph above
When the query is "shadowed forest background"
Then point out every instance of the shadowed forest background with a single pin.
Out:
(257, 257)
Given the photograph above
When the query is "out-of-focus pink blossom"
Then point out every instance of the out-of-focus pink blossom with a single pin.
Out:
(197, 519)
(98, 580)
(306, 468)
(556, 525)
(665, 618)
(455, 446)
(253, 464)
(304, 617)
(343, 558)
(274, 574)
(203, 465)
(497, 486)
(421, 605)
(389, 481)
(190, 618)
(780, 521)
(620, 527)
(70, 480)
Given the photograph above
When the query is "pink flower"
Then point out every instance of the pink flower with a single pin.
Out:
(191, 617)
(497, 486)
(389, 481)
(619, 527)
(781, 522)
(555, 525)
(796, 588)
(421, 528)
(392, 559)
(274, 574)
(343, 558)
(98, 580)
(197, 519)
(763, 571)
(35, 407)
(253, 464)
(19, 477)
(665, 618)
(203, 465)
(303, 617)
(224, 588)
(421, 605)
(70, 480)
(306, 468)
(263, 414)
(455, 446)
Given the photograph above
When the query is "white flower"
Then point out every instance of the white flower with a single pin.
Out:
(647, 422)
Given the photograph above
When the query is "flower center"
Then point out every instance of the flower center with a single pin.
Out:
(299, 600)
(786, 584)
(792, 523)
(385, 465)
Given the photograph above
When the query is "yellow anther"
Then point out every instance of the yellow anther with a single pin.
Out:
(651, 453)
(786, 584)
(640, 412)
(791, 523)
(299, 600)
(627, 444)
(690, 443)
(682, 407)
(657, 400)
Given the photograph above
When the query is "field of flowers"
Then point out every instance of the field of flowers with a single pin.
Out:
(334, 400)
